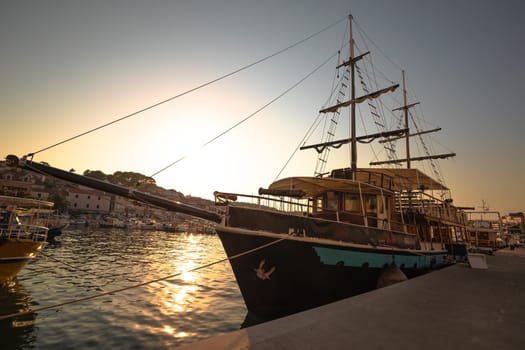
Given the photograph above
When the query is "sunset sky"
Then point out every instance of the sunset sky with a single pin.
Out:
(67, 67)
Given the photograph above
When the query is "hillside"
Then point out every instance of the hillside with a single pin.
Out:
(146, 184)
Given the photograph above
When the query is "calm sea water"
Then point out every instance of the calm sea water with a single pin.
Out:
(87, 262)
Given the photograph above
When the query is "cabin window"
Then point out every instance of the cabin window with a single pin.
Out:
(371, 203)
(318, 204)
(352, 202)
(331, 201)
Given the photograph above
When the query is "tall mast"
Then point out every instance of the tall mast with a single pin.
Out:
(405, 107)
(352, 61)
(352, 98)
(407, 135)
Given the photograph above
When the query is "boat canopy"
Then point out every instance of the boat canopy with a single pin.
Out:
(409, 179)
(403, 180)
(315, 186)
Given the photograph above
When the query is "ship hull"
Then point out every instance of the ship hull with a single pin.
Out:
(293, 274)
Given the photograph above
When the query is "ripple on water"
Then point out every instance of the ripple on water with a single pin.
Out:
(188, 306)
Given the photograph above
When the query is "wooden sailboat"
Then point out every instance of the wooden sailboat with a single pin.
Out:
(309, 240)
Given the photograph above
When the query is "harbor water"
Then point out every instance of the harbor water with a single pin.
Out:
(86, 262)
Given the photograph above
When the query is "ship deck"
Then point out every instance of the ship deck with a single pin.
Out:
(459, 307)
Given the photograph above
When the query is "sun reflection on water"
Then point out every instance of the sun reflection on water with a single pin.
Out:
(185, 304)
(183, 296)
(188, 275)
(173, 332)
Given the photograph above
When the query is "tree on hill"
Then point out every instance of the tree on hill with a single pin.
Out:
(96, 174)
(129, 178)
(125, 178)
(134, 180)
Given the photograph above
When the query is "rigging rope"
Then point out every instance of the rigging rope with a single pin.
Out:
(68, 265)
(191, 90)
(376, 46)
(45, 308)
(310, 130)
(318, 119)
(252, 114)
(314, 125)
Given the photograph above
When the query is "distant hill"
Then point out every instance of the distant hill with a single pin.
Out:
(24, 183)
(147, 184)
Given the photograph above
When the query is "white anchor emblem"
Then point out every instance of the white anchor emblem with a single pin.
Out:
(261, 273)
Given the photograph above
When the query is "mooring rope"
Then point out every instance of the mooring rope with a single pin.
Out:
(75, 268)
(74, 301)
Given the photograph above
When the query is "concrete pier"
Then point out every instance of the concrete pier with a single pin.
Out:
(454, 308)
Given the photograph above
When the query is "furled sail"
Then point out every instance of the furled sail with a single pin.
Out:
(319, 147)
(435, 156)
(360, 99)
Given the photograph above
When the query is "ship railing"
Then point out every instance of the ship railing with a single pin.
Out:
(242, 215)
(405, 227)
(304, 207)
(424, 203)
(282, 204)
(22, 231)
(300, 207)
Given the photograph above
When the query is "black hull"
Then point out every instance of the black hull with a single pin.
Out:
(292, 275)
(457, 250)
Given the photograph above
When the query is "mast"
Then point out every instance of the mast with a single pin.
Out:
(405, 107)
(353, 147)
(352, 61)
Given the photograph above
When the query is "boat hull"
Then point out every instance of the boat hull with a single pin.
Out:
(15, 253)
(295, 274)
